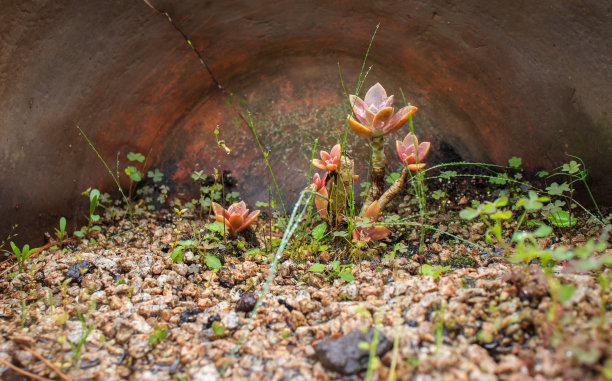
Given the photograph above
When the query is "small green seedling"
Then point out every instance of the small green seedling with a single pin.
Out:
(155, 175)
(85, 331)
(334, 269)
(218, 328)
(439, 324)
(178, 252)
(488, 211)
(133, 173)
(61, 232)
(515, 162)
(432, 271)
(21, 255)
(159, 333)
(212, 261)
(94, 196)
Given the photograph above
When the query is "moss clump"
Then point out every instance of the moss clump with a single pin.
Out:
(460, 262)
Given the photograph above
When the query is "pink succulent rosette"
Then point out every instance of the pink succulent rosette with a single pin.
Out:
(236, 217)
(375, 113)
(329, 160)
(370, 233)
(407, 153)
(318, 182)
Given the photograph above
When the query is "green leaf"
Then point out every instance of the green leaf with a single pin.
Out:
(571, 167)
(94, 195)
(561, 219)
(448, 174)
(502, 215)
(62, 224)
(533, 202)
(133, 173)
(319, 231)
(26, 252)
(317, 268)
(501, 202)
(177, 254)
(218, 227)
(500, 179)
(212, 261)
(347, 276)
(198, 175)
(555, 189)
(218, 328)
(335, 265)
(427, 270)
(438, 194)
(15, 249)
(514, 162)
(542, 231)
(469, 213)
(135, 156)
(253, 252)
(156, 175)
(392, 177)
(364, 345)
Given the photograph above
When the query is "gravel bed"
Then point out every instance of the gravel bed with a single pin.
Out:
(488, 322)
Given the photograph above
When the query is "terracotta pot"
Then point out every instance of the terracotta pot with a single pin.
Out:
(492, 80)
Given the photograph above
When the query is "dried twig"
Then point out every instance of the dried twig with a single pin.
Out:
(24, 372)
(47, 363)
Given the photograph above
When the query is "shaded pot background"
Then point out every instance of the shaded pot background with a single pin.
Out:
(492, 80)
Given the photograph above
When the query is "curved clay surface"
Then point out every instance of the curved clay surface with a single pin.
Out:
(492, 80)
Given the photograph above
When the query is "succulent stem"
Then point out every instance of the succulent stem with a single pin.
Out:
(339, 191)
(377, 173)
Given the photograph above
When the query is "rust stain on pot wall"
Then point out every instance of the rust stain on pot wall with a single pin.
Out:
(491, 80)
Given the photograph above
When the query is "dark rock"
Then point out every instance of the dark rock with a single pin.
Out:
(283, 302)
(246, 303)
(344, 356)
(211, 320)
(226, 282)
(189, 315)
(249, 236)
(79, 269)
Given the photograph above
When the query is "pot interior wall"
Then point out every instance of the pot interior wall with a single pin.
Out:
(491, 80)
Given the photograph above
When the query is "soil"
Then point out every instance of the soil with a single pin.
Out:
(149, 318)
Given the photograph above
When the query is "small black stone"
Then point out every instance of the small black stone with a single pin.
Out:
(344, 356)
(211, 320)
(284, 303)
(227, 283)
(189, 315)
(79, 269)
(246, 303)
